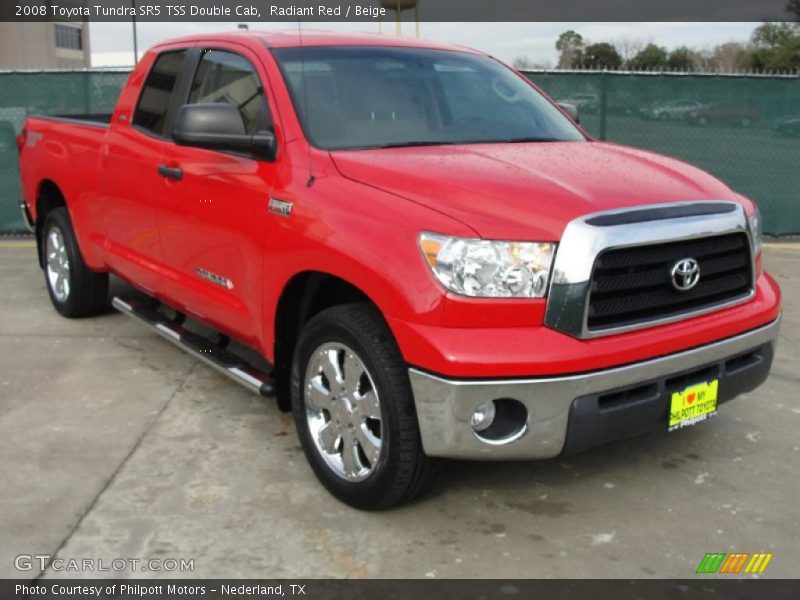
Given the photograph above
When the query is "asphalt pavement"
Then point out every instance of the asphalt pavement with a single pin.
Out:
(116, 445)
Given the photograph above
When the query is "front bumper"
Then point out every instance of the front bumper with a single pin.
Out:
(573, 412)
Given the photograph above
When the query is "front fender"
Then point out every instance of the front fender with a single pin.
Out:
(363, 236)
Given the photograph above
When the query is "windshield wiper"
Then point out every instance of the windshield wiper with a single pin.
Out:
(520, 140)
(524, 140)
(415, 143)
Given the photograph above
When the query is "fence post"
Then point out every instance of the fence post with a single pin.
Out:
(603, 103)
(87, 97)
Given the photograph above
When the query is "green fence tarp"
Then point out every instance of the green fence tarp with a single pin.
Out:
(46, 92)
(743, 129)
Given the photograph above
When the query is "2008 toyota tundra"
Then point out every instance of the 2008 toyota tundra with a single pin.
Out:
(431, 256)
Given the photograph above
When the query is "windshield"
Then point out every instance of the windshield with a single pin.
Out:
(376, 97)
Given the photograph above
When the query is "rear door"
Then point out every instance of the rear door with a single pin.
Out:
(213, 219)
(131, 182)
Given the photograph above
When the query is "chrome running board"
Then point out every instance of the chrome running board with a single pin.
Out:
(207, 351)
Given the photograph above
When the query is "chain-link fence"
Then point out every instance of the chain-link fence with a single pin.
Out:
(44, 92)
(743, 129)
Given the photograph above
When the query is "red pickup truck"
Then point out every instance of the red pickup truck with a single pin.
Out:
(431, 257)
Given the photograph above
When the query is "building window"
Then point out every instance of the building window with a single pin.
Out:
(69, 37)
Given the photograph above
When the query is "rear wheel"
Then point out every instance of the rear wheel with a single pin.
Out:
(354, 411)
(75, 290)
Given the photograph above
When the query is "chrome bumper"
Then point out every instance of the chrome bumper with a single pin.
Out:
(444, 406)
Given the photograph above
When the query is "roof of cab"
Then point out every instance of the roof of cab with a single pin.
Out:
(292, 38)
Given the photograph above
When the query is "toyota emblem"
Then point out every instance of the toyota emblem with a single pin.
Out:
(685, 274)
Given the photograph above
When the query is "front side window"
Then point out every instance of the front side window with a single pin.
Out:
(373, 97)
(227, 77)
(151, 112)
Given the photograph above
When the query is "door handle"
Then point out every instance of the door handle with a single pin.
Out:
(170, 172)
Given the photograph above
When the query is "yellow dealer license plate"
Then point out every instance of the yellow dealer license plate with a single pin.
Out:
(693, 404)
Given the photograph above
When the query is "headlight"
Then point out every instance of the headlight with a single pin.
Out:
(756, 231)
(489, 269)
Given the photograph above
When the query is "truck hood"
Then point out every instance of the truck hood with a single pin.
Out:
(528, 191)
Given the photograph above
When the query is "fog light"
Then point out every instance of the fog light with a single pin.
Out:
(483, 417)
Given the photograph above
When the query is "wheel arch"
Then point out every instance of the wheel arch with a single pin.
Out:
(48, 196)
(305, 295)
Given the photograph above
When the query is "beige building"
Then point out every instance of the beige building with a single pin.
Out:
(44, 46)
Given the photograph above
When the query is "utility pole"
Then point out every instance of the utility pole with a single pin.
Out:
(398, 6)
(135, 37)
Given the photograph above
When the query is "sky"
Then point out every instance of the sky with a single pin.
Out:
(112, 43)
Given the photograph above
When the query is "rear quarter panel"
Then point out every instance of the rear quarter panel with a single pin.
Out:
(68, 154)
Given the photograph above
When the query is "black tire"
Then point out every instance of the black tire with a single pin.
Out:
(87, 292)
(402, 471)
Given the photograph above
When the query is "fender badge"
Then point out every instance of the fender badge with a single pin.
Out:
(214, 278)
(282, 208)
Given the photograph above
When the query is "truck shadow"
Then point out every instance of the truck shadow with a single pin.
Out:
(649, 455)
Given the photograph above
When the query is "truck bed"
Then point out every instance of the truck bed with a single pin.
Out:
(91, 119)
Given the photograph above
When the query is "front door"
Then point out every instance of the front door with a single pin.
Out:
(213, 218)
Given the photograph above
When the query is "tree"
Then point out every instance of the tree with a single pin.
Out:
(776, 47)
(731, 57)
(770, 35)
(704, 60)
(629, 47)
(682, 59)
(794, 8)
(601, 56)
(651, 57)
(570, 46)
(523, 62)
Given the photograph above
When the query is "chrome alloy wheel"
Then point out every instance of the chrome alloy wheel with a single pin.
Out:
(343, 411)
(57, 264)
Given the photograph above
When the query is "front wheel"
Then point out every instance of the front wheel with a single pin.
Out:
(354, 411)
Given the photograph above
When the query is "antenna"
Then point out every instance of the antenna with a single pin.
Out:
(311, 178)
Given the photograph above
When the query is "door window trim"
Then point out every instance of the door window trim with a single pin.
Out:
(202, 50)
(190, 60)
(183, 88)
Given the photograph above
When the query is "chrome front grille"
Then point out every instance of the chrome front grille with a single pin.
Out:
(634, 285)
(612, 270)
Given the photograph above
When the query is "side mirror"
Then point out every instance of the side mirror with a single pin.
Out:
(219, 126)
(571, 110)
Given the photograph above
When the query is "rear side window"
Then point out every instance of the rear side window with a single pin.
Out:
(151, 113)
(227, 77)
